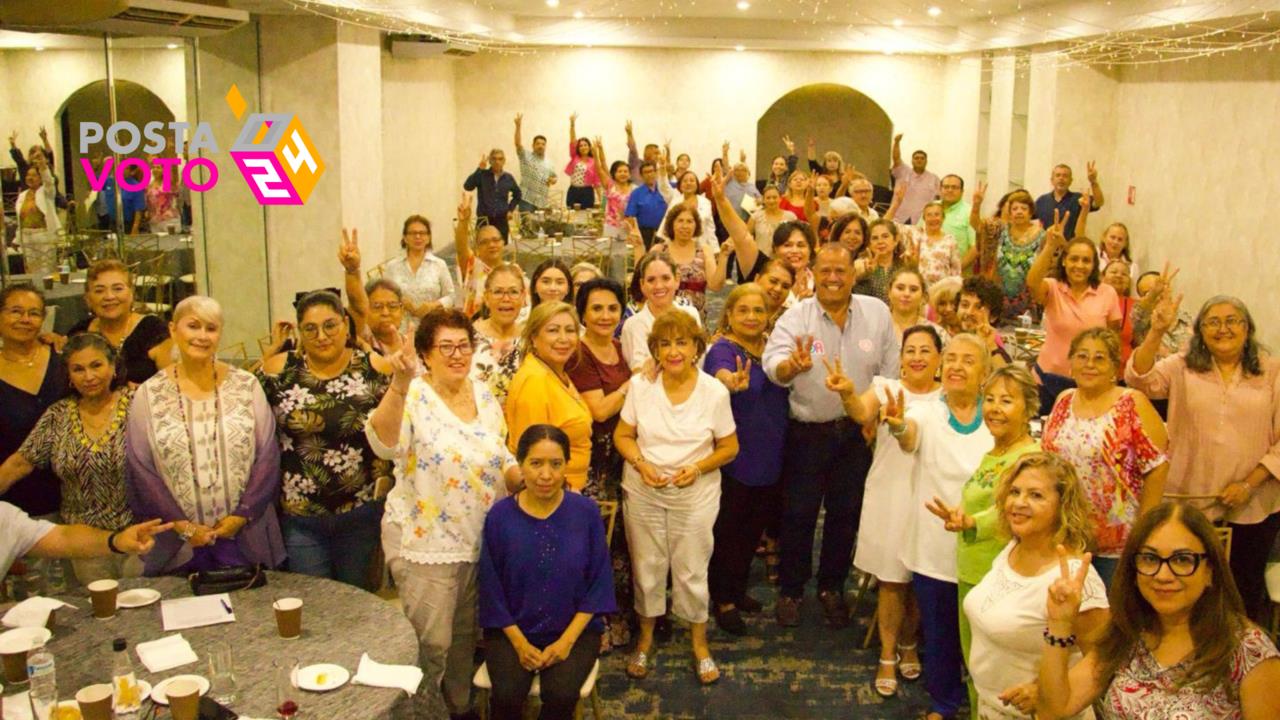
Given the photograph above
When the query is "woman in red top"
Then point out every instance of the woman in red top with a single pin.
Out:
(799, 196)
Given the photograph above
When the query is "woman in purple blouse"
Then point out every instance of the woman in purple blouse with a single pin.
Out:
(201, 452)
(544, 582)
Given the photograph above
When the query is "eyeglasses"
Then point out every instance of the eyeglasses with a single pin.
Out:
(387, 307)
(506, 292)
(1232, 323)
(16, 313)
(450, 349)
(1180, 564)
(330, 328)
(418, 233)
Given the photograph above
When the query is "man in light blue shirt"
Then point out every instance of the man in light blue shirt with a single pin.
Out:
(826, 459)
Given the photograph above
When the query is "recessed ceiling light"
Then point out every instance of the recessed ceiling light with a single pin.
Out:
(39, 49)
(743, 5)
(739, 48)
(172, 46)
(553, 3)
(934, 11)
(578, 15)
(897, 22)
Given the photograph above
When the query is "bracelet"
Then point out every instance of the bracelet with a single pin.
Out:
(187, 533)
(111, 543)
(1056, 641)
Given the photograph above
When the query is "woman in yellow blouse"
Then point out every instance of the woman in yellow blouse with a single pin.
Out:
(541, 392)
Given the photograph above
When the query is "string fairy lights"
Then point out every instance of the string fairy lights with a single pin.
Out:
(1035, 31)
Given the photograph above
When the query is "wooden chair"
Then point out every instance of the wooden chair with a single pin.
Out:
(609, 513)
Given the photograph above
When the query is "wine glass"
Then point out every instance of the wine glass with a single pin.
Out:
(286, 690)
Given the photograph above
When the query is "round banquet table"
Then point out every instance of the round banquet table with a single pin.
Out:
(339, 623)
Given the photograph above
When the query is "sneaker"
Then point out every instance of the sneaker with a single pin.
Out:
(731, 621)
(749, 605)
(788, 611)
(834, 608)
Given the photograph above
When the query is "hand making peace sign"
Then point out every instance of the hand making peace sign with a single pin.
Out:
(1067, 592)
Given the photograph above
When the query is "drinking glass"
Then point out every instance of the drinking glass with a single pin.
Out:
(222, 673)
(286, 692)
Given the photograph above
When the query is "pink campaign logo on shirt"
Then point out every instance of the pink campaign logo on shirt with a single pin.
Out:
(866, 346)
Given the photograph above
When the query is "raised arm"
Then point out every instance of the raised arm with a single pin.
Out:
(573, 134)
(1082, 223)
(897, 150)
(519, 144)
(1094, 188)
(724, 157)
(811, 153)
(387, 418)
(633, 155)
(462, 237)
(357, 300)
(744, 244)
(602, 164)
(861, 408)
(1038, 275)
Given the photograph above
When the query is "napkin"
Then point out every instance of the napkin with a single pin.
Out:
(166, 653)
(17, 707)
(375, 674)
(32, 612)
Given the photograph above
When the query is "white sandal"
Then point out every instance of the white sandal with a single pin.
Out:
(887, 687)
(910, 671)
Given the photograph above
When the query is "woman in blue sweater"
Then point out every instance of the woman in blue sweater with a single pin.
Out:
(545, 580)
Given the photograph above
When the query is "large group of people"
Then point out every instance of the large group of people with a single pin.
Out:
(468, 423)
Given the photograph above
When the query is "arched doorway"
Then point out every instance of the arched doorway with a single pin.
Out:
(838, 118)
(134, 103)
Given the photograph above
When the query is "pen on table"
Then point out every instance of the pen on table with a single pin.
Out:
(225, 606)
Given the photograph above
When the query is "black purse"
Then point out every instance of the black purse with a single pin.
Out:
(231, 579)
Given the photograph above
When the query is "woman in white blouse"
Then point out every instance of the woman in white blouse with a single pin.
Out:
(447, 436)
(655, 277)
(675, 433)
(1042, 508)
(424, 279)
(949, 439)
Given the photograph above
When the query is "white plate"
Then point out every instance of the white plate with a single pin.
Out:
(160, 698)
(24, 638)
(137, 597)
(322, 677)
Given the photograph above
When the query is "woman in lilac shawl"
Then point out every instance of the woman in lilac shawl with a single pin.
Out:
(201, 452)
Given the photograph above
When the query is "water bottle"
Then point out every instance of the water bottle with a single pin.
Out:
(124, 684)
(44, 679)
(56, 578)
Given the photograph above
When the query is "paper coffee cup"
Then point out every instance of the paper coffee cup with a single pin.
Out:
(289, 617)
(95, 702)
(15, 666)
(103, 594)
(184, 699)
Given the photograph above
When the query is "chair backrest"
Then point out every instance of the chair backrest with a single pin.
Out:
(609, 513)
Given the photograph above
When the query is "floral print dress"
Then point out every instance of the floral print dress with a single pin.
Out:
(1013, 262)
(495, 363)
(326, 465)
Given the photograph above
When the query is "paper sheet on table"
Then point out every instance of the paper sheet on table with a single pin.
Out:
(17, 707)
(198, 611)
(166, 653)
(32, 612)
(375, 674)
(748, 204)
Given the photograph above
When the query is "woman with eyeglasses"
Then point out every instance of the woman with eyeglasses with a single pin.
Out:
(1178, 644)
(376, 307)
(424, 278)
(497, 355)
(32, 378)
(332, 482)
(1115, 439)
(446, 434)
(1224, 427)
(542, 393)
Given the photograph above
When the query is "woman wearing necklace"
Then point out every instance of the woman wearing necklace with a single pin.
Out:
(541, 391)
(949, 440)
(81, 439)
(603, 378)
(143, 340)
(447, 437)
(749, 490)
(32, 378)
(332, 483)
(544, 584)
(202, 453)
(1007, 246)
(497, 356)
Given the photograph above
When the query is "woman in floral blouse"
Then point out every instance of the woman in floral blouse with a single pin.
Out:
(448, 438)
(1178, 644)
(82, 438)
(330, 477)
(497, 354)
(1007, 246)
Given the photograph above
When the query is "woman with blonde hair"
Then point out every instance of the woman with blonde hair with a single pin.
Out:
(944, 301)
(542, 393)
(675, 434)
(1042, 512)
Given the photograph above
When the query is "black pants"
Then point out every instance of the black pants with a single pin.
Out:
(560, 682)
(744, 513)
(583, 196)
(647, 233)
(498, 221)
(1250, 548)
(825, 466)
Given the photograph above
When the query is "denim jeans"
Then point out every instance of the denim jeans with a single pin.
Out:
(334, 546)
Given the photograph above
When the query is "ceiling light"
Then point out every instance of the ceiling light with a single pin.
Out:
(172, 46)
(553, 3)
(739, 48)
(897, 22)
(743, 5)
(39, 49)
(934, 11)
(578, 15)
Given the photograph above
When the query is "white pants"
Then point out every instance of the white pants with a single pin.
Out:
(676, 539)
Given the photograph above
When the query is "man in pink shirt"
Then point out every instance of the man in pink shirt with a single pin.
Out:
(922, 186)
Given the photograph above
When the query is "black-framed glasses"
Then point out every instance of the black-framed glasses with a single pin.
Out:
(330, 328)
(1181, 563)
(449, 349)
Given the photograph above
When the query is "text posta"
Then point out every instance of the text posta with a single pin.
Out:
(124, 138)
